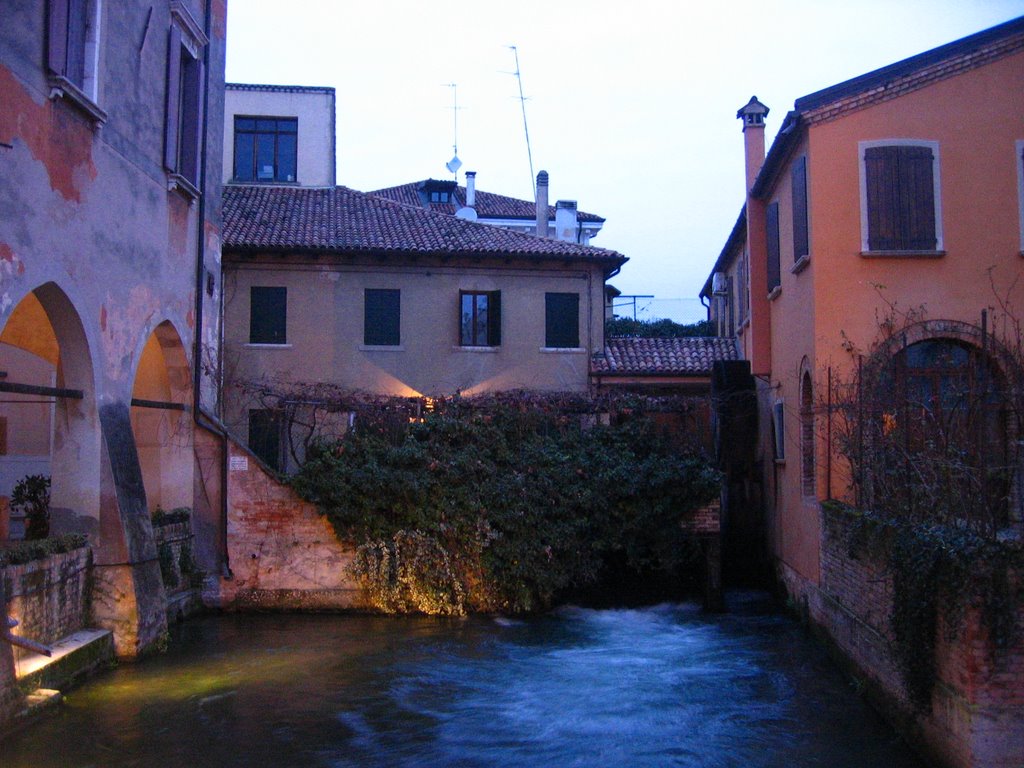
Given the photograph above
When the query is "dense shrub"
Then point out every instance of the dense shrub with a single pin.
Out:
(625, 327)
(505, 510)
(36, 549)
(31, 496)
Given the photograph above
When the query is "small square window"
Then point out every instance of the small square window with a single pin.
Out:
(268, 315)
(266, 148)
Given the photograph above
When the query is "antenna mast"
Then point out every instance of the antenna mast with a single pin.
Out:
(526, 130)
(454, 164)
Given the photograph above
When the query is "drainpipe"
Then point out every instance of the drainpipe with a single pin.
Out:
(202, 418)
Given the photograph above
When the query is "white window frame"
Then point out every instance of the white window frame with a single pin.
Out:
(936, 185)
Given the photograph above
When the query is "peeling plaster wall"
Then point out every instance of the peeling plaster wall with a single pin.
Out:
(88, 222)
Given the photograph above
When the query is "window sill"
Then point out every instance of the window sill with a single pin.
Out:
(62, 88)
(774, 293)
(476, 349)
(573, 350)
(267, 345)
(381, 348)
(902, 254)
(800, 264)
(178, 183)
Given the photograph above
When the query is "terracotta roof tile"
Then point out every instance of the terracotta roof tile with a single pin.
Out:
(652, 357)
(487, 204)
(342, 220)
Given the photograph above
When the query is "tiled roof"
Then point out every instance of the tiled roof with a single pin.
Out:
(662, 357)
(487, 204)
(342, 220)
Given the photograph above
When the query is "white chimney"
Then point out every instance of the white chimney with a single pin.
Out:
(566, 221)
(542, 204)
(470, 189)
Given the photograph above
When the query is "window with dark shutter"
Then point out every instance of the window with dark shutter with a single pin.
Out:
(562, 320)
(480, 318)
(72, 42)
(265, 437)
(900, 198)
(184, 102)
(801, 240)
(382, 318)
(268, 315)
(772, 236)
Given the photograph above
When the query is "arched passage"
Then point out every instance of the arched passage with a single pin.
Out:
(160, 420)
(48, 419)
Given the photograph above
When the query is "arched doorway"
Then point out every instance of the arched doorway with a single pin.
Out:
(161, 422)
(48, 421)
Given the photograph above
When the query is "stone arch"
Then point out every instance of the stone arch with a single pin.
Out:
(161, 424)
(44, 350)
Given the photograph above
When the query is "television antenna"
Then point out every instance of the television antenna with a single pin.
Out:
(454, 164)
(526, 130)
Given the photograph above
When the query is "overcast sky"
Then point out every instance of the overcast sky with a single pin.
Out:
(631, 106)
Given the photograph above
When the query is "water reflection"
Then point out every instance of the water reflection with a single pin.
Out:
(648, 687)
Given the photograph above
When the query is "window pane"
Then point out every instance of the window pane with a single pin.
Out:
(288, 126)
(466, 320)
(286, 157)
(266, 125)
(244, 124)
(265, 157)
(244, 145)
(268, 312)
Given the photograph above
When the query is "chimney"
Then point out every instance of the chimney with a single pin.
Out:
(470, 189)
(542, 204)
(753, 115)
(565, 221)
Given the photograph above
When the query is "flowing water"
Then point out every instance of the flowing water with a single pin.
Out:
(659, 686)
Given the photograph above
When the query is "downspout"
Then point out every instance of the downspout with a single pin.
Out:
(202, 418)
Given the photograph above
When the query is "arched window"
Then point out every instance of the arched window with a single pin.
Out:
(807, 474)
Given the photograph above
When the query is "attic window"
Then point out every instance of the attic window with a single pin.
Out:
(440, 197)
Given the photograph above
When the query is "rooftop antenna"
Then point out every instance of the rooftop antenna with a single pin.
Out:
(522, 102)
(454, 164)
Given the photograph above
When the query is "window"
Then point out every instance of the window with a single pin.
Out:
(562, 320)
(439, 197)
(382, 317)
(900, 197)
(779, 430)
(480, 318)
(801, 240)
(268, 315)
(741, 290)
(807, 474)
(184, 101)
(265, 437)
(266, 148)
(72, 52)
(772, 236)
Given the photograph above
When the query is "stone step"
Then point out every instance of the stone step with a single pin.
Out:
(74, 656)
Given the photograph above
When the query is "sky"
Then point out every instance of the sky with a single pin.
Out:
(630, 106)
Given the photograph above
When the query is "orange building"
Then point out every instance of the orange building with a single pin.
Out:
(883, 229)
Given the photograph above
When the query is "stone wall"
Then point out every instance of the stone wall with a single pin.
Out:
(49, 597)
(281, 552)
(175, 546)
(976, 716)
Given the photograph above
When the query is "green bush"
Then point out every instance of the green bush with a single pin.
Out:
(162, 517)
(31, 497)
(503, 511)
(36, 549)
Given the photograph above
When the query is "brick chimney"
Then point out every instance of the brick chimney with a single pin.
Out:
(542, 204)
(757, 343)
(566, 221)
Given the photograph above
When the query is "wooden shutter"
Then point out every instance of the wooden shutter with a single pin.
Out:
(772, 236)
(899, 181)
(191, 117)
(801, 242)
(173, 105)
(494, 318)
(57, 36)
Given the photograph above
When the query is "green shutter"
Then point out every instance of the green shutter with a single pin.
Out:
(494, 318)
(801, 240)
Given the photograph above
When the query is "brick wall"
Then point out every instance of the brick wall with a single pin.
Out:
(282, 552)
(49, 597)
(977, 708)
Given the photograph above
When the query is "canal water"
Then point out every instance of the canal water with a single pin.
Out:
(658, 686)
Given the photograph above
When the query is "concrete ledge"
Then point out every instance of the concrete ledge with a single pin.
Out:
(74, 657)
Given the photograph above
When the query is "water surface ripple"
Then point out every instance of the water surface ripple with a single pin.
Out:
(659, 686)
